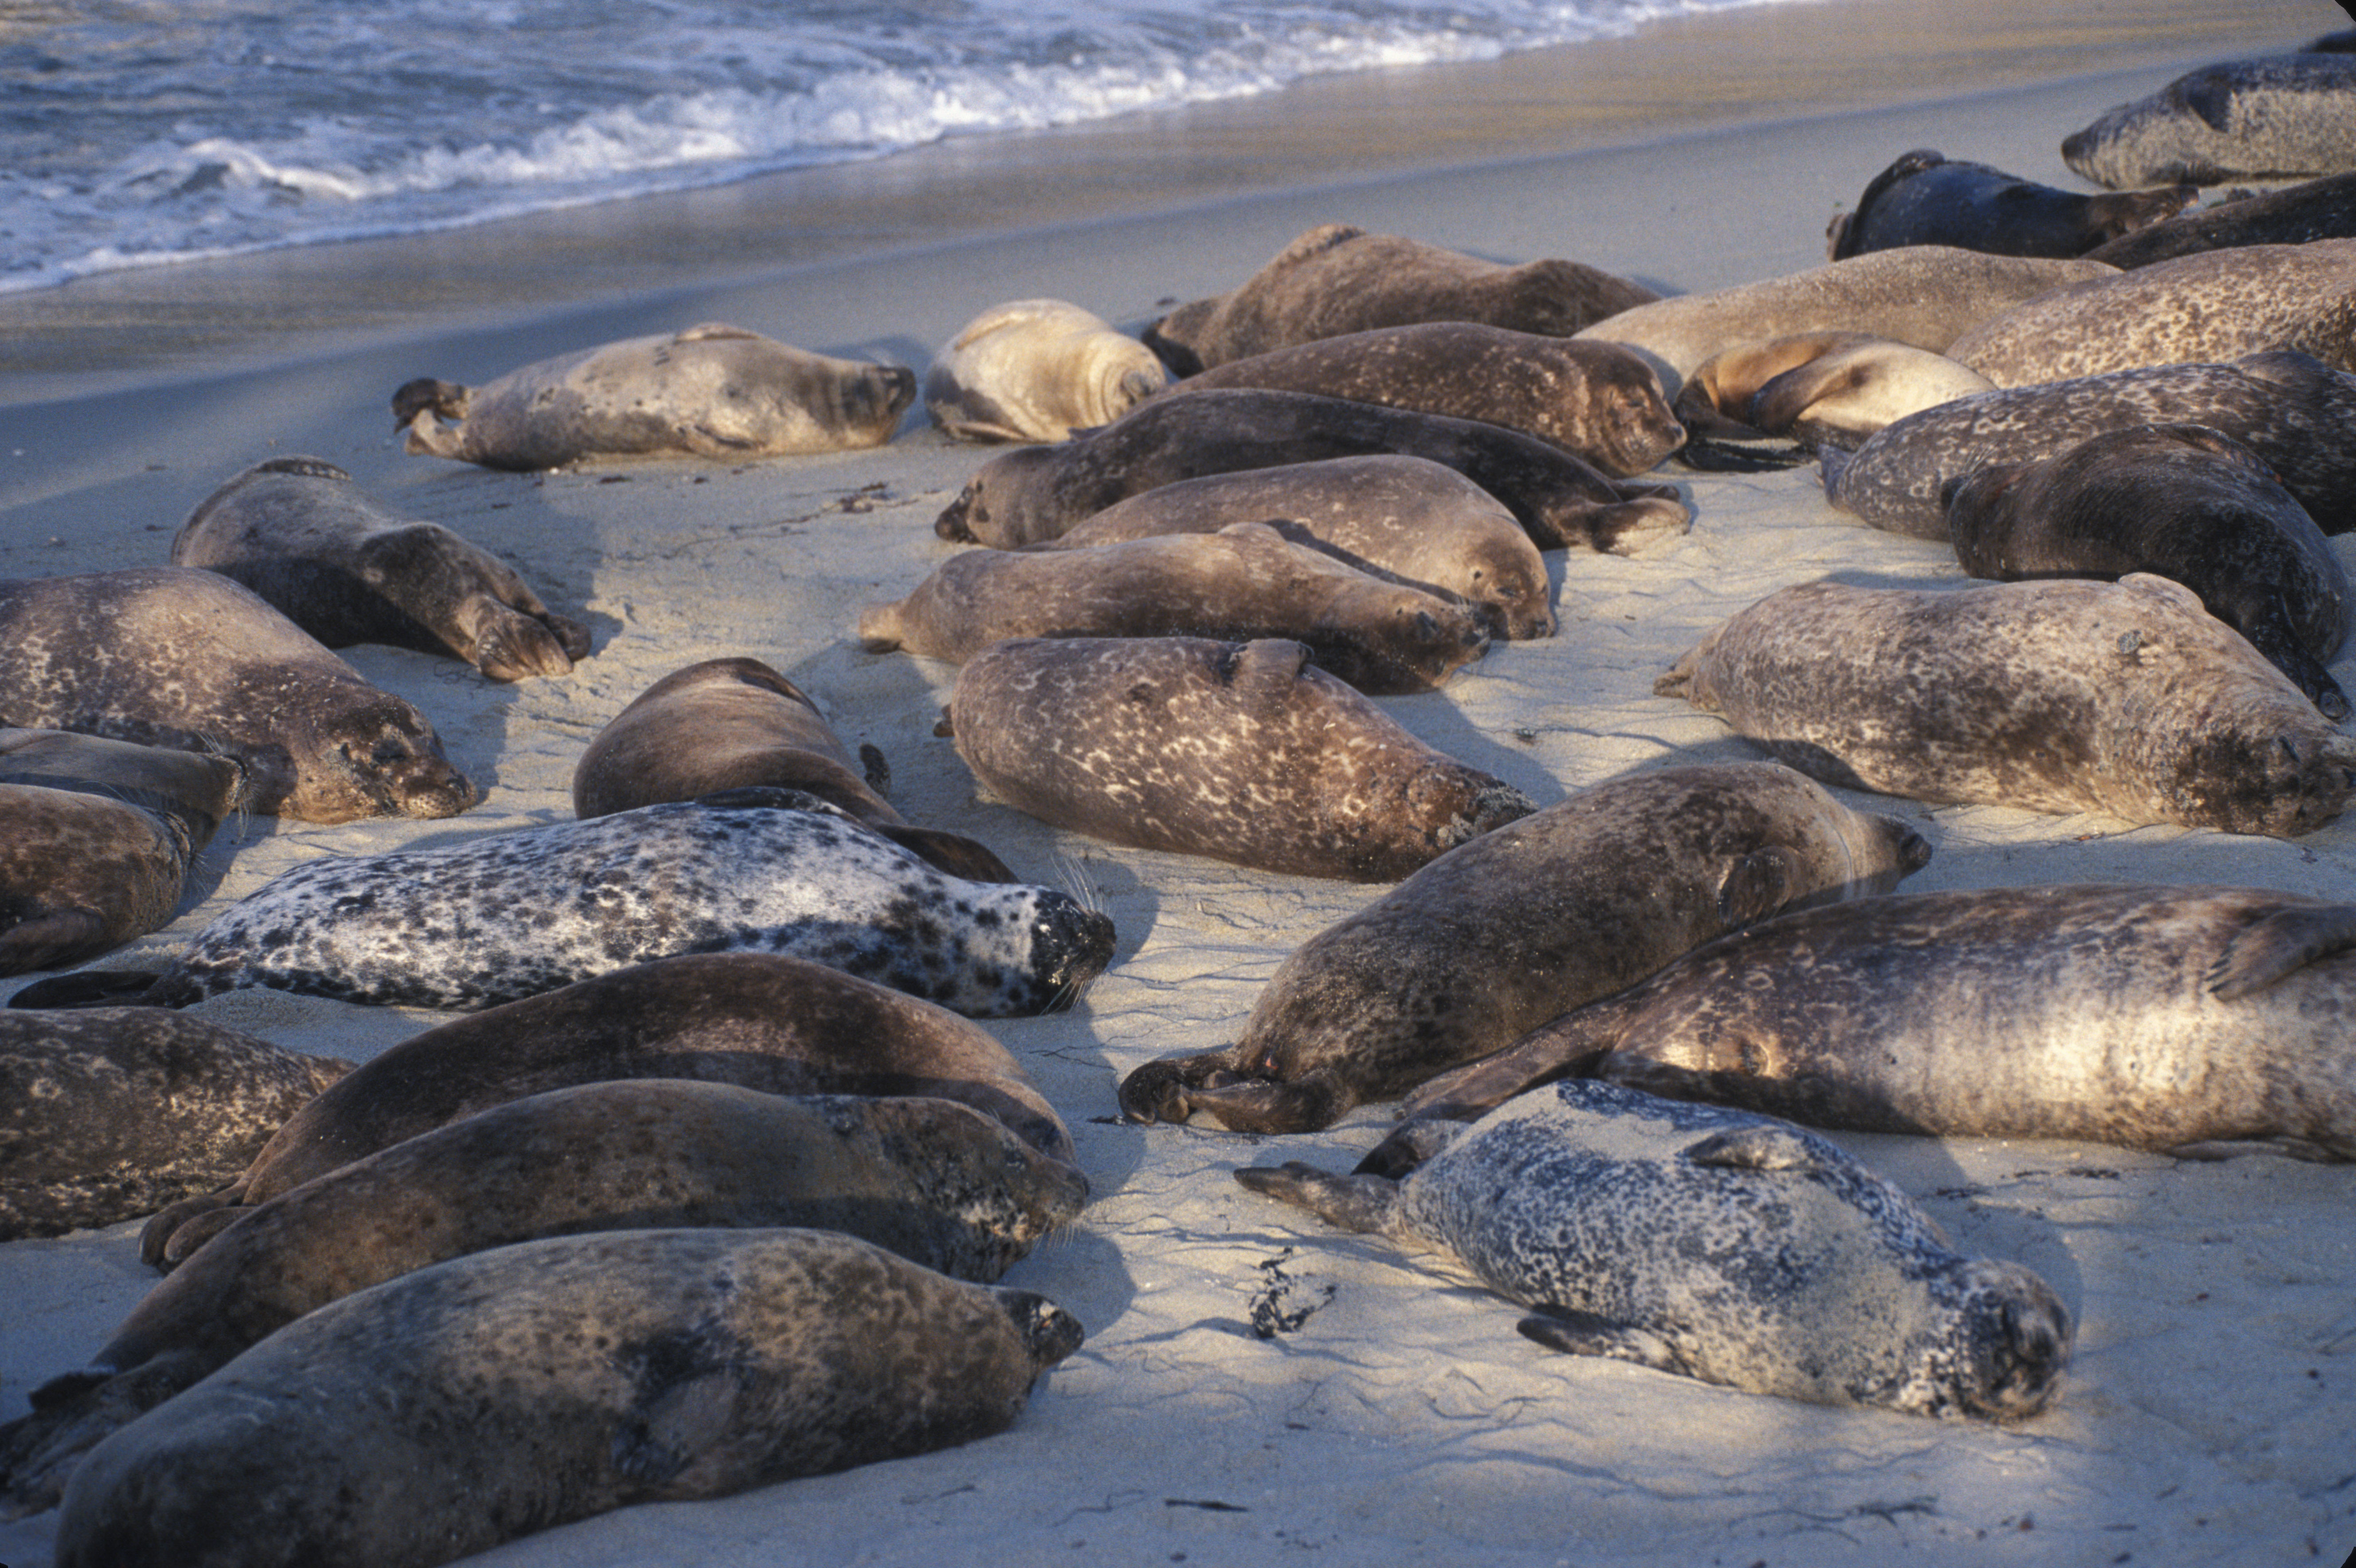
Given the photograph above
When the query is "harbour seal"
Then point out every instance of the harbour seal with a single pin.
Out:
(2064, 696)
(172, 656)
(1338, 278)
(2190, 1020)
(1039, 493)
(108, 1114)
(347, 568)
(714, 391)
(1243, 752)
(2321, 208)
(101, 834)
(2209, 308)
(443, 1413)
(932, 1181)
(1406, 518)
(1037, 369)
(1494, 937)
(1927, 199)
(2297, 415)
(1820, 387)
(1244, 582)
(1713, 1244)
(511, 914)
(1596, 401)
(2184, 501)
(2287, 117)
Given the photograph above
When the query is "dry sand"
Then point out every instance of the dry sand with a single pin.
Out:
(2206, 1420)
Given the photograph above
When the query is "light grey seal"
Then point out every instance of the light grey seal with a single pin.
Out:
(116, 1113)
(712, 390)
(1820, 387)
(1243, 583)
(512, 914)
(2184, 501)
(2321, 208)
(1928, 199)
(1243, 752)
(2064, 697)
(2287, 117)
(441, 1413)
(1494, 937)
(347, 568)
(1713, 1244)
(172, 656)
(1037, 369)
(100, 837)
(1596, 401)
(1338, 278)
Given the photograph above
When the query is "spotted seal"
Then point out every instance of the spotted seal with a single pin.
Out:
(1243, 752)
(1928, 199)
(714, 391)
(2321, 208)
(173, 656)
(119, 1112)
(2288, 116)
(1244, 582)
(443, 1413)
(1494, 937)
(347, 568)
(1820, 387)
(2184, 501)
(512, 914)
(1714, 1244)
(1039, 493)
(1338, 278)
(1037, 369)
(2064, 697)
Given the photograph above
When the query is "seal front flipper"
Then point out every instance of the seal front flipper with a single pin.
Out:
(1411, 1143)
(1360, 1203)
(2279, 945)
(2271, 633)
(1765, 1146)
(1577, 1333)
(1174, 1090)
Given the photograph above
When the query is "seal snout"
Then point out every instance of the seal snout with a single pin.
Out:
(2020, 1341)
(1070, 946)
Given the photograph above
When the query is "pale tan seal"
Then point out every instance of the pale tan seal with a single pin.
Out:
(2287, 116)
(1243, 583)
(1037, 369)
(2064, 697)
(1339, 278)
(1820, 387)
(347, 568)
(443, 1413)
(1496, 937)
(712, 390)
(1928, 199)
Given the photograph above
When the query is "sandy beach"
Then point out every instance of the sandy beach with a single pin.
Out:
(2205, 1419)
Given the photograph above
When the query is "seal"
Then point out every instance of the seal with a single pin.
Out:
(1637, 1229)
(1596, 401)
(1820, 387)
(714, 391)
(2196, 1021)
(347, 568)
(2297, 415)
(1338, 278)
(2321, 208)
(2180, 500)
(2207, 307)
(1037, 369)
(1243, 583)
(1927, 199)
(932, 1181)
(1040, 492)
(1239, 751)
(116, 1113)
(1577, 901)
(2062, 696)
(101, 834)
(1404, 518)
(2284, 117)
(175, 657)
(511, 914)
(443, 1413)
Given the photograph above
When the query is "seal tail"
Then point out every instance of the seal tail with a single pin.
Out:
(92, 988)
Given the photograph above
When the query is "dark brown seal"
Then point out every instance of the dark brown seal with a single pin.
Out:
(1494, 938)
(2290, 116)
(172, 656)
(1337, 279)
(2321, 208)
(2181, 500)
(347, 568)
(441, 1413)
(1040, 492)
(1243, 752)
(1244, 582)
(1927, 199)
(2064, 696)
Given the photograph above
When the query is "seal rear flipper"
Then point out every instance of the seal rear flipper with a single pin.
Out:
(73, 1414)
(1634, 526)
(1361, 1203)
(1303, 1105)
(155, 1236)
(1569, 1046)
(1407, 1146)
(93, 988)
(510, 644)
(1158, 1091)
(194, 1232)
(2279, 945)
(1577, 1333)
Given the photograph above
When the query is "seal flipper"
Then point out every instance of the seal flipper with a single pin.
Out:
(1577, 1333)
(1303, 1105)
(2279, 945)
(155, 1236)
(1411, 1143)
(2269, 631)
(1362, 1203)
(57, 936)
(92, 988)
(1762, 1146)
(72, 1414)
(1758, 884)
(1158, 1091)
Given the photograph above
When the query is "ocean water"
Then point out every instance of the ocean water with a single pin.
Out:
(136, 133)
